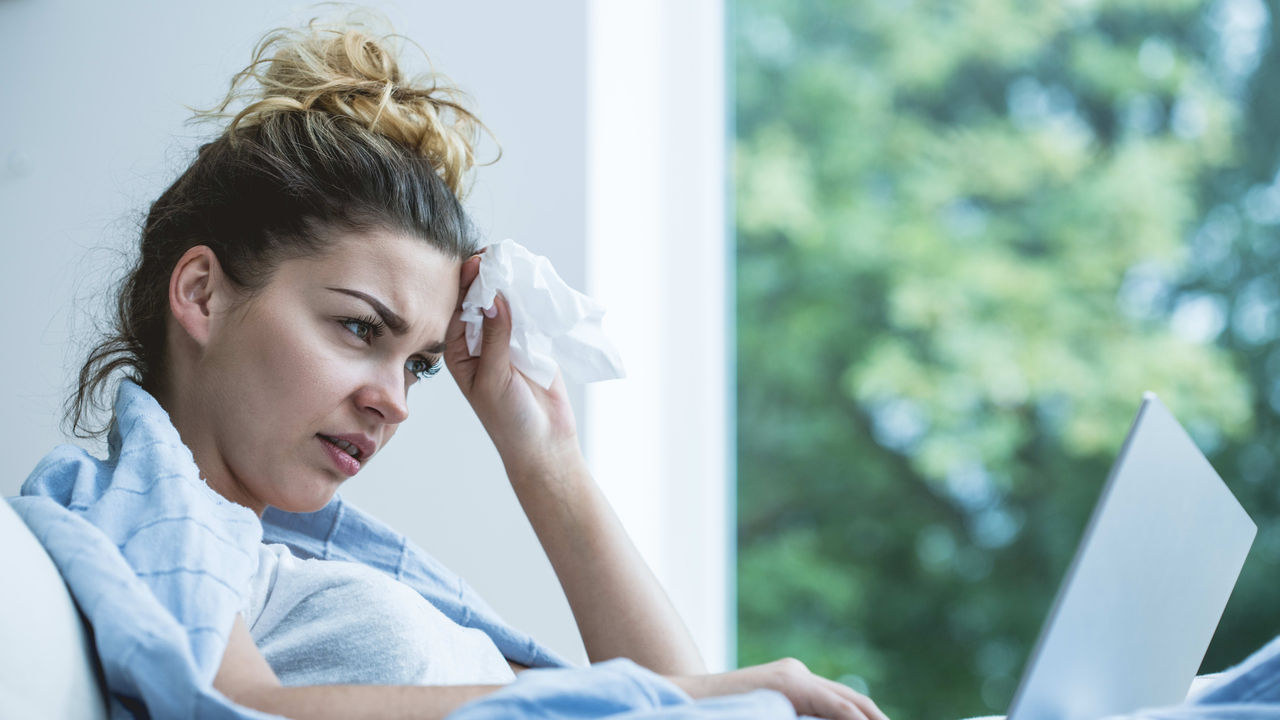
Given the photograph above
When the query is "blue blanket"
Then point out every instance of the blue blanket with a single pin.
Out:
(159, 564)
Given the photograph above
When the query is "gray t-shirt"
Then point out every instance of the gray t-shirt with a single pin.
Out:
(324, 622)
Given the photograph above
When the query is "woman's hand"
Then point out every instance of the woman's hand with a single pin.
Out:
(808, 693)
(529, 425)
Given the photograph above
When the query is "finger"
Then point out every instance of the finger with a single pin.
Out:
(826, 703)
(843, 709)
(455, 339)
(456, 354)
(866, 704)
(467, 275)
(456, 332)
(869, 707)
(495, 339)
(457, 357)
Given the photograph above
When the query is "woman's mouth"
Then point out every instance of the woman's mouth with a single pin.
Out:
(341, 454)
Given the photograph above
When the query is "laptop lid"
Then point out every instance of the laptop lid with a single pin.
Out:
(1150, 579)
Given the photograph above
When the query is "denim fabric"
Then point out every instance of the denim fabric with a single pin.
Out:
(1256, 680)
(1248, 691)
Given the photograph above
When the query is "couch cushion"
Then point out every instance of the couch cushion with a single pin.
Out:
(48, 668)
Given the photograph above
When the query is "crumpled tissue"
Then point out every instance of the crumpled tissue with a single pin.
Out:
(552, 325)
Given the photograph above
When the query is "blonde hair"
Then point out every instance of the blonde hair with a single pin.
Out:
(350, 70)
(331, 138)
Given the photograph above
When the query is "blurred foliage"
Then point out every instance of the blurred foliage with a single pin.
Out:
(970, 234)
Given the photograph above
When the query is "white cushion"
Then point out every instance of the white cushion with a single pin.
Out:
(48, 668)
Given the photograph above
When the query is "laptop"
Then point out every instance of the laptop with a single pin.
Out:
(1144, 594)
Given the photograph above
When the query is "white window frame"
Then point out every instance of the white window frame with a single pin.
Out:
(657, 256)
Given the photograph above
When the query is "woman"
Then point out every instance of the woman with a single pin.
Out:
(292, 284)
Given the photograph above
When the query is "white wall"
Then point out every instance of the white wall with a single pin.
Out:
(93, 130)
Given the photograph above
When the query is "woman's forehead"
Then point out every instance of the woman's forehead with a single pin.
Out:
(403, 272)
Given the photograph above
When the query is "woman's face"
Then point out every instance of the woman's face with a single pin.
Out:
(329, 348)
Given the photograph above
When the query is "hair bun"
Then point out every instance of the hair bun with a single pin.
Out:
(348, 71)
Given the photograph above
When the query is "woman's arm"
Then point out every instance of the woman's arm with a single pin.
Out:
(245, 678)
(620, 608)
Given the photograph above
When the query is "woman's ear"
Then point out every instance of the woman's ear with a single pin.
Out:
(197, 288)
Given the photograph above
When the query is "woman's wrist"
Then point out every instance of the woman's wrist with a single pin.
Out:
(695, 686)
(553, 463)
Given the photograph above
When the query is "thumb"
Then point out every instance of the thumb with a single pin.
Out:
(495, 339)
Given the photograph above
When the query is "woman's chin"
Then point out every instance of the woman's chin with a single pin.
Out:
(309, 504)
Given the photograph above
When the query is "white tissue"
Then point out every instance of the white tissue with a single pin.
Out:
(552, 325)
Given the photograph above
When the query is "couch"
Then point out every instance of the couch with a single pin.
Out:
(48, 669)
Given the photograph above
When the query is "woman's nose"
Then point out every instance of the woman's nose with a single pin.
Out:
(387, 396)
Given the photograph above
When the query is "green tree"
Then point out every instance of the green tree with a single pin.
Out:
(970, 235)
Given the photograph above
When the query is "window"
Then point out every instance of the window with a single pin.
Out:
(969, 236)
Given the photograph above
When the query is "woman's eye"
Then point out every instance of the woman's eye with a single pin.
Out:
(362, 329)
(424, 368)
(367, 328)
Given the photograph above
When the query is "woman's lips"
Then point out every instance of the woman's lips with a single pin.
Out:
(341, 460)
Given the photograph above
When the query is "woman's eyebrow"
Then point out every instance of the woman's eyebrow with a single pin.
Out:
(395, 322)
